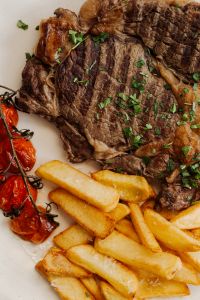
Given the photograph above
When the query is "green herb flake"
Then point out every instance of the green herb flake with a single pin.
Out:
(167, 146)
(155, 108)
(101, 38)
(170, 165)
(196, 76)
(195, 86)
(157, 131)
(181, 123)
(186, 149)
(173, 108)
(139, 85)
(28, 56)
(136, 141)
(185, 117)
(123, 96)
(186, 91)
(37, 27)
(128, 132)
(89, 69)
(148, 126)
(81, 82)
(195, 126)
(22, 25)
(76, 37)
(105, 103)
(140, 63)
(146, 160)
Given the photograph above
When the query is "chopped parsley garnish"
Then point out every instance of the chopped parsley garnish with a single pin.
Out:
(76, 37)
(195, 126)
(28, 56)
(89, 69)
(140, 63)
(146, 160)
(136, 141)
(148, 127)
(128, 132)
(181, 123)
(167, 146)
(82, 82)
(37, 27)
(173, 108)
(123, 96)
(186, 91)
(185, 117)
(126, 117)
(170, 165)
(190, 175)
(157, 131)
(195, 86)
(105, 103)
(139, 85)
(135, 104)
(57, 55)
(167, 86)
(155, 108)
(196, 76)
(101, 37)
(22, 25)
(186, 150)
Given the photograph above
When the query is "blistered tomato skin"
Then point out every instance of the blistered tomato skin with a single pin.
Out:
(11, 117)
(25, 152)
(13, 193)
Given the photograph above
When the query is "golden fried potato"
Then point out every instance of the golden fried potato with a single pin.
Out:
(137, 256)
(196, 233)
(187, 274)
(56, 263)
(125, 226)
(143, 231)
(192, 258)
(73, 236)
(79, 184)
(120, 212)
(119, 276)
(170, 235)
(110, 293)
(151, 286)
(93, 287)
(93, 220)
(188, 218)
(130, 187)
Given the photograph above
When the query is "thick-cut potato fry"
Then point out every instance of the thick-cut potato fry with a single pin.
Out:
(68, 288)
(187, 274)
(73, 236)
(143, 231)
(79, 184)
(151, 286)
(196, 233)
(93, 287)
(119, 276)
(137, 256)
(130, 187)
(120, 212)
(148, 204)
(55, 263)
(170, 235)
(110, 293)
(93, 220)
(125, 226)
(166, 213)
(189, 218)
(193, 258)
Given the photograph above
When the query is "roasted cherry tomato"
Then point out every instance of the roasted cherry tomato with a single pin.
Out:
(11, 116)
(25, 152)
(13, 193)
(32, 226)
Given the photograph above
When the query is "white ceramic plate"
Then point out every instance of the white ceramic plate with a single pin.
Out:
(18, 279)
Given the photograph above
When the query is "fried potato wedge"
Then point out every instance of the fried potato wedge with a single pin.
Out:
(125, 226)
(79, 184)
(93, 287)
(143, 231)
(93, 220)
(193, 258)
(188, 218)
(119, 276)
(196, 233)
(151, 286)
(110, 293)
(69, 288)
(137, 256)
(120, 212)
(187, 274)
(55, 263)
(170, 235)
(73, 236)
(130, 187)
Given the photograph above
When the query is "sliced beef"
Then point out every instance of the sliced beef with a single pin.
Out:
(111, 99)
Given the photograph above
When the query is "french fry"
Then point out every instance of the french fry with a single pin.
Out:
(130, 187)
(93, 287)
(110, 293)
(73, 236)
(125, 226)
(170, 235)
(137, 256)
(187, 274)
(93, 220)
(79, 184)
(148, 204)
(55, 263)
(151, 286)
(166, 213)
(120, 277)
(120, 212)
(192, 258)
(189, 218)
(68, 288)
(196, 233)
(143, 231)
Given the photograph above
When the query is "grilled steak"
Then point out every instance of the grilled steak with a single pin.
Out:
(112, 100)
